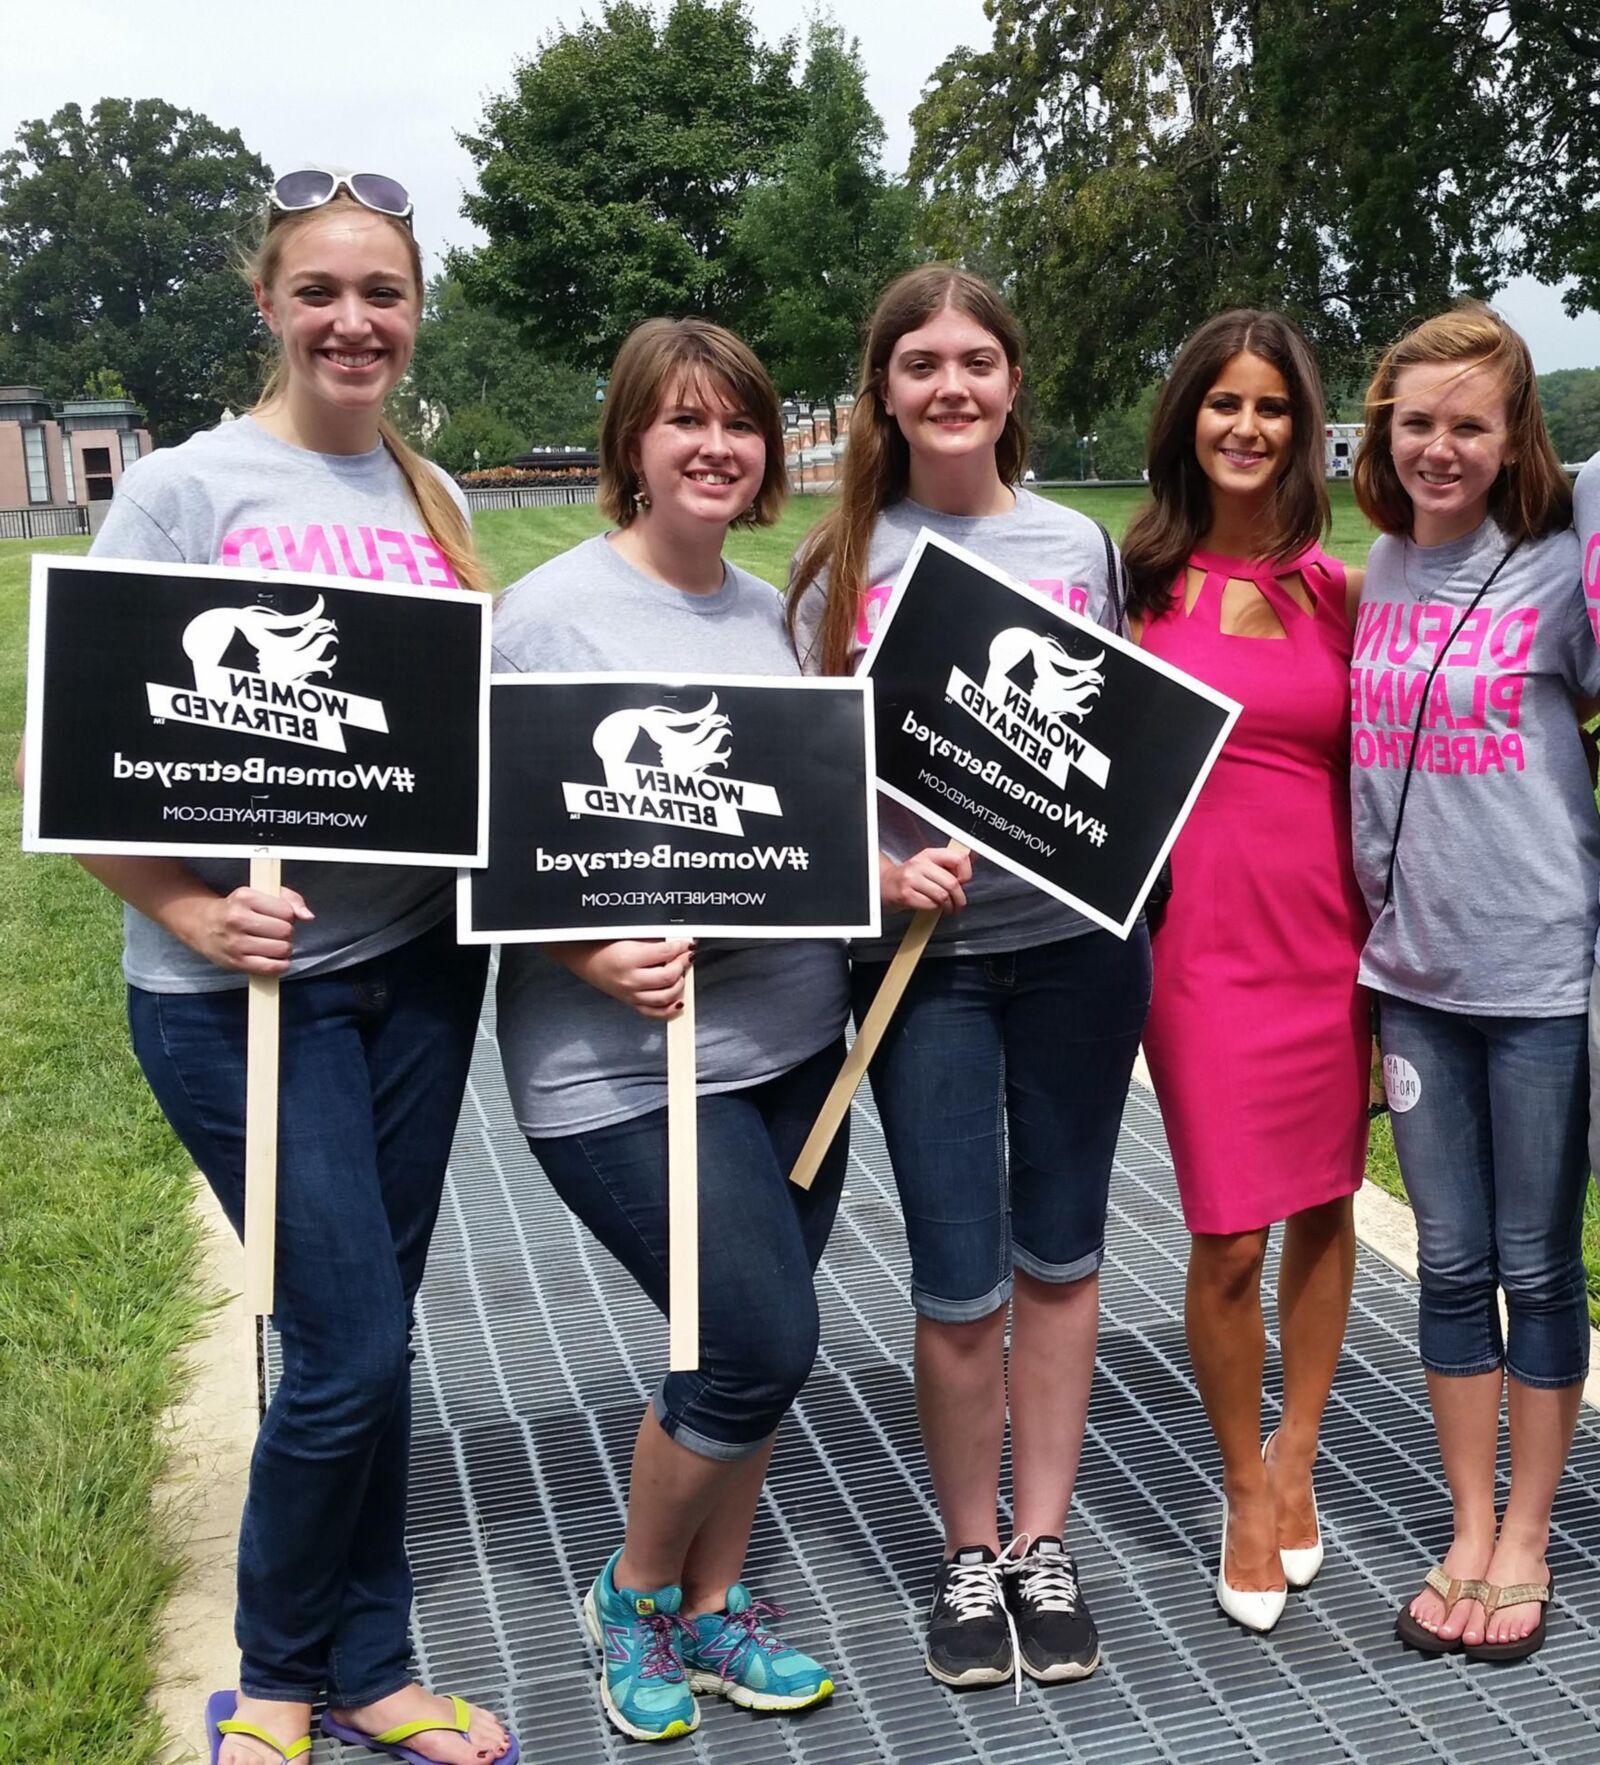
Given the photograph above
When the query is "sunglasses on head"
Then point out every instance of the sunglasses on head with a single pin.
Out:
(295, 192)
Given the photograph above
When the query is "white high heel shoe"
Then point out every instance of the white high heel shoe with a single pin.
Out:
(1255, 1610)
(1299, 1566)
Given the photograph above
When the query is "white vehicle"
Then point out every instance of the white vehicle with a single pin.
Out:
(1342, 444)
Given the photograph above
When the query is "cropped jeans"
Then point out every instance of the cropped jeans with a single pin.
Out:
(373, 1063)
(1000, 1084)
(761, 1239)
(1490, 1116)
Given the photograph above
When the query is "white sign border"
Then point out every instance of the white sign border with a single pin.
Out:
(466, 934)
(926, 537)
(44, 563)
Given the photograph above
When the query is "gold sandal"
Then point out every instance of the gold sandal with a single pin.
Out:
(1452, 1591)
(1517, 1594)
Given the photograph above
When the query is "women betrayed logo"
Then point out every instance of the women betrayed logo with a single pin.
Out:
(658, 764)
(1033, 686)
(266, 688)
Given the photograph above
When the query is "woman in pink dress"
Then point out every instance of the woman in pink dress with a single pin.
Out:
(1258, 1037)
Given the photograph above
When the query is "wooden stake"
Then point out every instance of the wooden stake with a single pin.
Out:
(683, 1191)
(836, 1105)
(261, 1119)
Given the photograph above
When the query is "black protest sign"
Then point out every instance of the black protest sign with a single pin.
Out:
(182, 710)
(1042, 741)
(676, 805)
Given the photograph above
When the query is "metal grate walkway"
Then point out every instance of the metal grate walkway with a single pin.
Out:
(534, 1360)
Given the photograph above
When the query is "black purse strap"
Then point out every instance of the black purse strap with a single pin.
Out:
(1116, 583)
(1422, 711)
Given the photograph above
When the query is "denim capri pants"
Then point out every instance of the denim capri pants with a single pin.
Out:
(1490, 1117)
(761, 1239)
(1020, 1051)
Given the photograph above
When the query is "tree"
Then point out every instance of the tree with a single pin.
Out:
(610, 176)
(475, 430)
(1131, 168)
(1571, 400)
(116, 240)
(467, 356)
(827, 231)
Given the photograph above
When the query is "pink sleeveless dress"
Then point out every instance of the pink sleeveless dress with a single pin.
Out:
(1258, 1037)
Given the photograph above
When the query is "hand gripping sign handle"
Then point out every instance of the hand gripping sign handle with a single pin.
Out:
(683, 1191)
(836, 1105)
(261, 1119)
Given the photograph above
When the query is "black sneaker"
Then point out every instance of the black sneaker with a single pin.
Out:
(970, 1633)
(1056, 1637)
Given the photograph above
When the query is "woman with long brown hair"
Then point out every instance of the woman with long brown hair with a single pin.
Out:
(379, 1003)
(1258, 1039)
(1001, 1080)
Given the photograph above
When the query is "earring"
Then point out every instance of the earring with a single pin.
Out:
(641, 496)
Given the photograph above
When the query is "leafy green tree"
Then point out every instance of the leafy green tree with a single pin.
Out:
(116, 240)
(475, 428)
(611, 174)
(827, 231)
(468, 356)
(1571, 400)
(1131, 168)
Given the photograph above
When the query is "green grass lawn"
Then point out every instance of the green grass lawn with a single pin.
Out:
(98, 1246)
(97, 1295)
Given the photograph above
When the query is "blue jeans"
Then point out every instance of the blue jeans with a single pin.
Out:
(761, 1239)
(1490, 1117)
(373, 1062)
(1033, 1048)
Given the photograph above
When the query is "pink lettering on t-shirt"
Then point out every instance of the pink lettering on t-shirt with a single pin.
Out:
(397, 548)
(443, 576)
(313, 553)
(351, 567)
(1512, 636)
(233, 549)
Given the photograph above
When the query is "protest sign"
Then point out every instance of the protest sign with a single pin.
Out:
(200, 711)
(1032, 736)
(639, 806)
(1045, 742)
(197, 711)
(676, 806)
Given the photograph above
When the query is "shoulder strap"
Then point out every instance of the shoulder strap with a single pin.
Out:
(1422, 711)
(1116, 586)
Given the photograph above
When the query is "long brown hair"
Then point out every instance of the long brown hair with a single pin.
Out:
(441, 515)
(1531, 495)
(659, 356)
(1168, 528)
(877, 461)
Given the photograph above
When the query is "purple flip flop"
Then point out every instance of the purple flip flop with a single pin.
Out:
(391, 1743)
(220, 1723)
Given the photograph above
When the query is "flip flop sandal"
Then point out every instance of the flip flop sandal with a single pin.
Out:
(1519, 1593)
(391, 1743)
(1409, 1632)
(221, 1722)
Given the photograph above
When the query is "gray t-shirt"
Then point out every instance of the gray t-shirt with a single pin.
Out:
(239, 496)
(576, 1059)
(1061, 555)
(1494, 908)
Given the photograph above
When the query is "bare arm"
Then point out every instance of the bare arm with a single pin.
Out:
(1353, 583)
(646, 973)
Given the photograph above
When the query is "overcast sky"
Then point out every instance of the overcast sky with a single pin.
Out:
(385, 87)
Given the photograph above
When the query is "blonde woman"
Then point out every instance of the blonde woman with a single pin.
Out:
(379, 1003)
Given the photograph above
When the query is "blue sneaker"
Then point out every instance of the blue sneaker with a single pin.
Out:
(642, 1687)
(730, 1653)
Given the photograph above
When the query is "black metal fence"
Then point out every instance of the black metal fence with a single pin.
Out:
(67, 521)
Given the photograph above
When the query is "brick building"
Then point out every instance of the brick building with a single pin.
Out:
(811, 449)
(74, 454)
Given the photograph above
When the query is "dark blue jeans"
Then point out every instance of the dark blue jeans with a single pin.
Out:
(1490, 1117)
(1020, 1052)
(374, 1060)
(761, 1239)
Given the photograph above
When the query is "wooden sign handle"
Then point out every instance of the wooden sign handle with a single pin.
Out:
(836, 1105)
(683, 1191)
(261, 1119)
